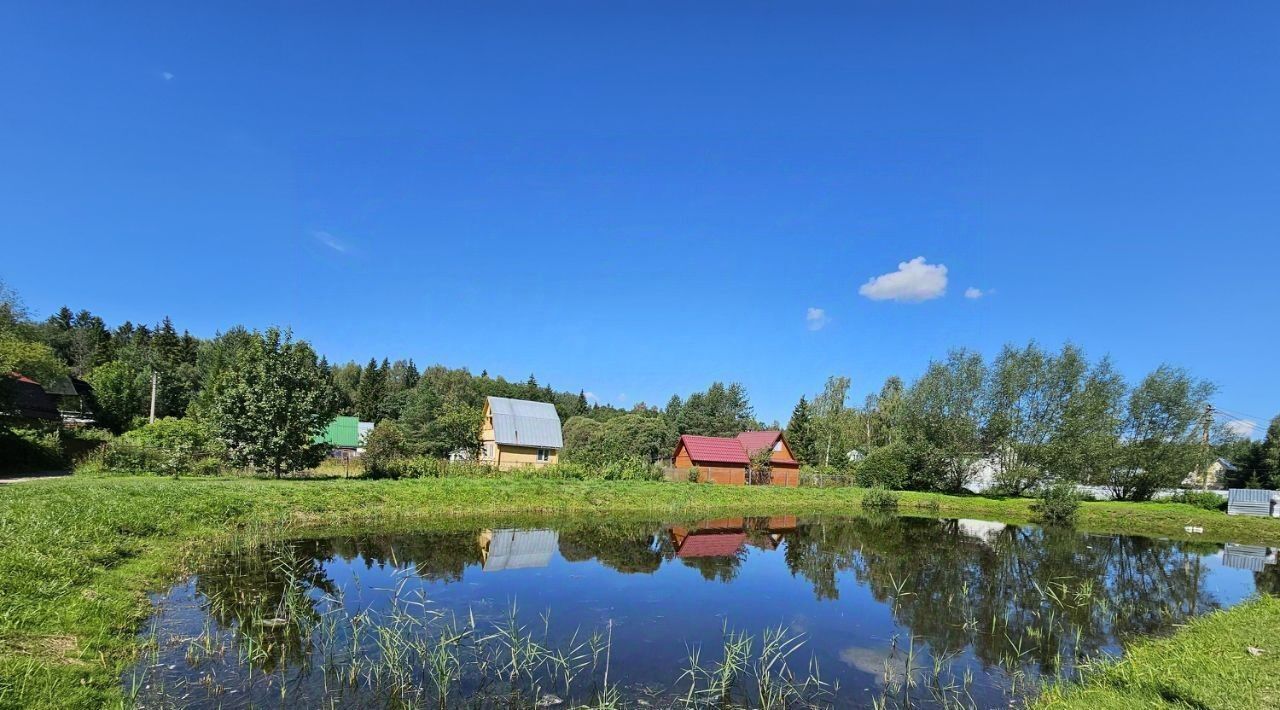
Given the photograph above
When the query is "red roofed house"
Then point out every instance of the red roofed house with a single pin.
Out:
(724, 460)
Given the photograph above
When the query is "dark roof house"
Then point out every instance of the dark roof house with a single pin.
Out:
(24, 398)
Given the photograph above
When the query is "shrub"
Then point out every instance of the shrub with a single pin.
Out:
(383, 446)
(1015, 480)
(30, 450)
(826, 477)
(886, 467)
(630, 468)
(170, 433)
(694, 473)
(879, 498)
(168, 446)
(1058, 504)
(1200, 499)
(930, 504)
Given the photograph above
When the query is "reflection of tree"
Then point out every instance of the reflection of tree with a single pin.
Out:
(630, 550)
(716, 569)
(440, 556)
(1268, 580)
(1040, 596)
(268, 596)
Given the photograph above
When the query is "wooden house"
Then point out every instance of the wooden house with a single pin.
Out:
(728, 460)
(518, 432)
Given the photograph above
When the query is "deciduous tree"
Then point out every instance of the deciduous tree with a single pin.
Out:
(271, 403)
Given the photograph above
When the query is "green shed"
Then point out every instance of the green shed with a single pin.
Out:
(342, 433)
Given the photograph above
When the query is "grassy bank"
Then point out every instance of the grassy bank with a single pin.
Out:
(80, 553)
(1208, 664)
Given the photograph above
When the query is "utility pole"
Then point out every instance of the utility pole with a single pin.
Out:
(1208, 421)
(154, 377)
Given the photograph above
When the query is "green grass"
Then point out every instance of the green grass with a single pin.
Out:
(78, 555)
(1205, 665)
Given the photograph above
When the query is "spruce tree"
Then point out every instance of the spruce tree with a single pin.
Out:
(800, 434)
(371, 391)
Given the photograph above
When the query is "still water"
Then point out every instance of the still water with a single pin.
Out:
(752, 612)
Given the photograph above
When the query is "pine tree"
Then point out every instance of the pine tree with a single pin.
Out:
(411, 375)
(800, 434)
(371, 391)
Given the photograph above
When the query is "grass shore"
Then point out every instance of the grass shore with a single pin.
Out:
(1207, 664)
(79, 554)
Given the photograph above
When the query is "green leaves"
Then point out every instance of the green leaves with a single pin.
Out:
(270, 403)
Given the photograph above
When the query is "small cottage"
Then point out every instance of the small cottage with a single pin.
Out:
(728, 460)
(518, 432)
(346, 436)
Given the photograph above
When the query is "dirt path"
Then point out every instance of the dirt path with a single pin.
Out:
(33, 476)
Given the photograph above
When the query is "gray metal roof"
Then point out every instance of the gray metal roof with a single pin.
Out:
(519, 422)
(520, 549)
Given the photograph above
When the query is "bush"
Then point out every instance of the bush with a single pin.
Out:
(1200, 499)
(168, 446)
(879, 498)
(826, 477)
(886, 467)
(693, 474)
(1058, 504)
(23, 450)
(170, 433)
(383, 447)
(626, 469)
(1015, 480)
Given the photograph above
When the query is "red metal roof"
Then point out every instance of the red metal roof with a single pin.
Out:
(714, 449)
(753, 441)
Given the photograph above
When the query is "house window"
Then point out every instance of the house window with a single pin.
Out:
(488, 450)
(544, 454)
(778, 445)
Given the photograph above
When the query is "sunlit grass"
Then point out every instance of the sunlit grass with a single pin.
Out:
(1227, 659)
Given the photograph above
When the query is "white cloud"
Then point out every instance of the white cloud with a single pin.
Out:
(591, 396)
(168, 76)
(913, 282)
(1241, 427)
(816, 318)
(622, 396)
(331, 241)
(973, 293)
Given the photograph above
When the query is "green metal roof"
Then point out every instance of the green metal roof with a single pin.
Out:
(342, 432)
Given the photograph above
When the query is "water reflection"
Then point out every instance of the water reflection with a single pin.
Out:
(1006, 603)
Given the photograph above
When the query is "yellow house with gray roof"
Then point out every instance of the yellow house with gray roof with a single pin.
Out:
(518, 432)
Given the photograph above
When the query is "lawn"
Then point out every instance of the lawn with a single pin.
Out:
(1208, 664)
(79, 554)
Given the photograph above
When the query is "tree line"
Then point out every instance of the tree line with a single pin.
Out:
(241, 386)
(1026, 418)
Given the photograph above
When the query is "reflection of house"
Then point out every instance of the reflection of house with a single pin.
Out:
(728, 537)
(1251, 557)
(517, 432)
(346, 435)
(981, 530)
(725, 460)
(1216, 475)
(517, 549)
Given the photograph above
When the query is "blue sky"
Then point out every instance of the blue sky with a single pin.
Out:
(636, 199)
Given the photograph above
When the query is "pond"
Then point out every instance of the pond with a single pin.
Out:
(754, 612)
